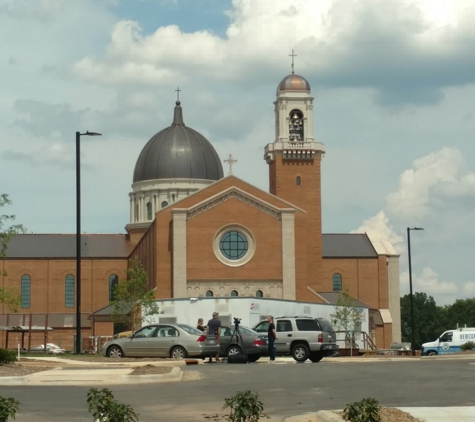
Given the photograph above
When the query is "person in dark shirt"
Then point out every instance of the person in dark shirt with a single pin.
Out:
(271, 338)
(214, 328)
(200, 326)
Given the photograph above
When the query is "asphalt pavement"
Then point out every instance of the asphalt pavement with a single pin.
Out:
(286, 389)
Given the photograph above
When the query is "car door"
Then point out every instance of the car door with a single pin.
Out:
(285, 334)
(225, 340)
(141, 343)
(167, 338)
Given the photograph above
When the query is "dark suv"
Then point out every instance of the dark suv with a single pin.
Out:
(302, 337)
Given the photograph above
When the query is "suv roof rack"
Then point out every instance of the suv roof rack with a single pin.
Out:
(294, 316)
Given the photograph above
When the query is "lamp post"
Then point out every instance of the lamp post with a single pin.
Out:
(413, 326)
(78, 236)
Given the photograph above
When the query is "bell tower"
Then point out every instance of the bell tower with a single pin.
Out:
(294, 160)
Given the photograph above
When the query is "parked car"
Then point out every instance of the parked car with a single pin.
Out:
(302, 337)
(249, 343)
(51, 349)
(163, 340)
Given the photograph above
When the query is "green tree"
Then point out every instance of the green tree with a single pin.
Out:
(8, 296)
(133, 300)
(347, 316)
(429, 319)
(461, 312)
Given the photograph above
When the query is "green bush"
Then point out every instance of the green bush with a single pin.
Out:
(245, 407)
(469, 345)
(8, 408)
(7, 356)
(103, 407)
(366, 410)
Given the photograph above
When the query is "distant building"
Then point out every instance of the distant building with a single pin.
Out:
(200, 234)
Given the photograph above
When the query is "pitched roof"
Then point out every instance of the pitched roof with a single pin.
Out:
(347, 246)
(332, 299)
(64, 246)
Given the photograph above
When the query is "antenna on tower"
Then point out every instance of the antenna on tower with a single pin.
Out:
(293, 55)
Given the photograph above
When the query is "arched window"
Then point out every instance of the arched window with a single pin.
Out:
(337, 282)
(164, 204)
(234, 293)
(298, 181)
(259, 293)
(69, 291)
(209, 293)
(113, 283)
(25, 291)
(296, 126)
(149, 210)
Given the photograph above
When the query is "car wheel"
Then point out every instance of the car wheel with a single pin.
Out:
(432, 353)
(317, 357)
(234, 350)
(115, 352)
(253, 358)
(178, 352)
(300, 352)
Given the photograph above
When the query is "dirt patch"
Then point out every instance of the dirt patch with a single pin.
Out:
(151, 370)
(389, 414)
(18, 370)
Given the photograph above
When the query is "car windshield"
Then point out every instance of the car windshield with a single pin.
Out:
(190, 330)
(247, 331)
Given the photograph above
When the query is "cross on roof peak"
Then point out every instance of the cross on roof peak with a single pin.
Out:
(230, 160)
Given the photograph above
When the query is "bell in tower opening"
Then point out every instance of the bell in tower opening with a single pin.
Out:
(296, 126)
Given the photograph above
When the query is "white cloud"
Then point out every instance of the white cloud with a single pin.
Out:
(428, 282)
(469, 288)
(378, 229)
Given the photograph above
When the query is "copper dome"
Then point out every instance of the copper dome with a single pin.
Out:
(294, 82)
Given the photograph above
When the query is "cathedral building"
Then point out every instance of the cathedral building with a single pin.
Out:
(201, 234)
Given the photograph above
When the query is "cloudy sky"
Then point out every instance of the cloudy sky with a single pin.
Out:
(394, 88)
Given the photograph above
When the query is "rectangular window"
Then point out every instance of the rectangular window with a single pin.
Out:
(307, 325)
(69, 292)
(25, 292)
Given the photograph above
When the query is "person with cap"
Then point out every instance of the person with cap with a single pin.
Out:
(214, 328)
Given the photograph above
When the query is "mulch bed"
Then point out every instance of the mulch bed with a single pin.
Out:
(18, 370)
(151, 370)
(389, 414)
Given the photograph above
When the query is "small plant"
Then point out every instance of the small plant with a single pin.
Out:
(245, 407)
(103, 407)
(7, 356)
(8, 408)
(366, 410)
(469, 345)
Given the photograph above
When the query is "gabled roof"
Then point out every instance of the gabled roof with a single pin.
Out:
(64, 246)
(347, 246)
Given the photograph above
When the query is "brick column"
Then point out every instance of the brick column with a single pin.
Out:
(179, 253)
(288, 254)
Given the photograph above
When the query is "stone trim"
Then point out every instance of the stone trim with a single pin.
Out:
(179, 253)
(288, 254)
(239, 194)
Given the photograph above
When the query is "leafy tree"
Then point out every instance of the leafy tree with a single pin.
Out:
(8, 296)
(429, 319)
(461, 312)
(346, 317)
(133, 299)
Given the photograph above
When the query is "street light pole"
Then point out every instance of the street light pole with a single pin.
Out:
(411, 297)
(78, 237)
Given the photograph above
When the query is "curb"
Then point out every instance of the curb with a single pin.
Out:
(13, 380)
(321, 416)
(71, 362)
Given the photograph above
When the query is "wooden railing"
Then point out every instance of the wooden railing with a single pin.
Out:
(349, 341)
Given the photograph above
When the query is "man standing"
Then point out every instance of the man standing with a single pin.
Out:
(271, 338)
(214, 328)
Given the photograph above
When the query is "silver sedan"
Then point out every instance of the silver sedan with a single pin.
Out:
(163, 340)
(246, 341)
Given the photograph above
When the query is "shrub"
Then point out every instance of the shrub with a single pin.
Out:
(103, 407)
(366, 410)
(7, 356)
(245, 407)
(8, 408)
(469, 345)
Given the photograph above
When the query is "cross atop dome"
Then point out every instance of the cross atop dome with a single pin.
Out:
(293, 55)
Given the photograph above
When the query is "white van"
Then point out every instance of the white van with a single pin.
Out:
(449, 342)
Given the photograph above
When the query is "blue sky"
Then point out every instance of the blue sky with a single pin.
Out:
(394, 87)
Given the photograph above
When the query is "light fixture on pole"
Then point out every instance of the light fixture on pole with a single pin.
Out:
(78, 236)
(411, 297)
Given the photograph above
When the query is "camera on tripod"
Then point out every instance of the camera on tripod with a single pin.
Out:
(237, 321)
